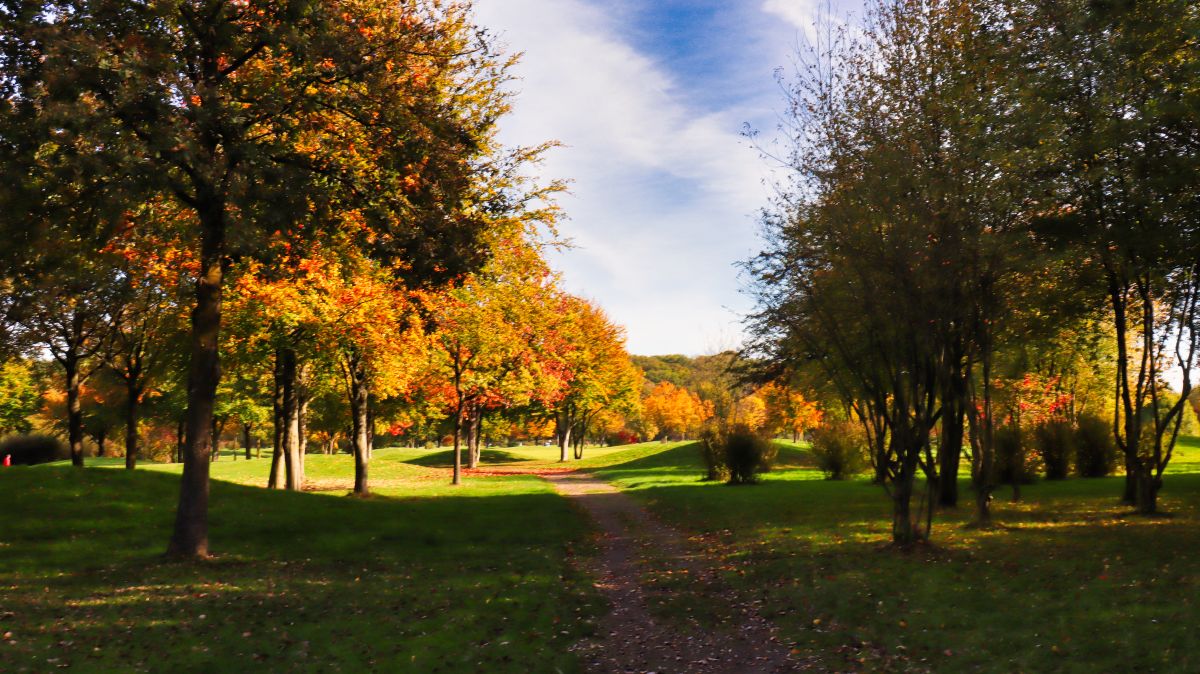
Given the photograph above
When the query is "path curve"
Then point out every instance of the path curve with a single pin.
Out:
(629, 638)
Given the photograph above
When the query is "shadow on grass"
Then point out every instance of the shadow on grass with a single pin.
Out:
(445, 458)
(301, 582)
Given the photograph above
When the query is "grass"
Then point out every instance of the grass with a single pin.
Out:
(1069, 582)
(430, 578)
(422, 578)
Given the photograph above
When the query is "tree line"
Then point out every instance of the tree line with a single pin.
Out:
(990, 200)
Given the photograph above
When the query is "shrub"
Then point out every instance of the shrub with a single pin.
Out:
(1012, 464)
(747, 454)
(736, 454)
(839, 449)
(1054, 441)
(1095, 448)
(28, 450)
(712, 447)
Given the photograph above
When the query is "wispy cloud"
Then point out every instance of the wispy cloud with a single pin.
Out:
(664, 191)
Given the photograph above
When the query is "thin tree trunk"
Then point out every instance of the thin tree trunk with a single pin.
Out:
(133, 397)
(74, 411)
(291, 427)
(472, 439)
(456, 477)
(190, 537)
(275, 477)
(360, 401)
(102, 442)
(246, 426)
(180, 439)
(562, 435)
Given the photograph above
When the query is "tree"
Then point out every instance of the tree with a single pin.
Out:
(489, 342)
(1125, 164)
(675, 412)
(360, 119)
(20, 397)
(600, 376)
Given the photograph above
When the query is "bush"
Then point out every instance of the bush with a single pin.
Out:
(839, 449)
(712, 446)
(28, 450)
(1012, 463)
(736, 454)
(1055, 441)
(1095, 448)
(747, 454)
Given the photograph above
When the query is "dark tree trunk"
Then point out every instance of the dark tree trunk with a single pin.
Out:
(360, 402)
(74, 411)
(275, 477)
(1148, 484)
(102, 442)
(246, 438)
(216, 438)
(133, 398)
(950, 451)
(190, 537)
(180, 439)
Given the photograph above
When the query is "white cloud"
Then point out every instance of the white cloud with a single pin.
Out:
(800, 13)
(664, 192)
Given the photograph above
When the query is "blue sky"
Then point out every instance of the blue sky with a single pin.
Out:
(650, 98)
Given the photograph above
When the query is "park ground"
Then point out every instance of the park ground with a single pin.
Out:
(495, 575)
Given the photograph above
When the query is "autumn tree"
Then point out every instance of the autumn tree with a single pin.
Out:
(360, 118)
(599, 374)
(675, 412)
(489, 342)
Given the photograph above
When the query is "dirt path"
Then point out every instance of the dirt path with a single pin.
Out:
(630, 638)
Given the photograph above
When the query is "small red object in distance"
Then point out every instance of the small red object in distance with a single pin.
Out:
(8, 459)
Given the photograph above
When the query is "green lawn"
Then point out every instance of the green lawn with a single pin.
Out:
(422, 578)
(425, 577)
(1070, 582)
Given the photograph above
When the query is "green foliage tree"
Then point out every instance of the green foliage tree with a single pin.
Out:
(20, 397)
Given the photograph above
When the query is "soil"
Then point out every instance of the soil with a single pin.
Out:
(733, 638)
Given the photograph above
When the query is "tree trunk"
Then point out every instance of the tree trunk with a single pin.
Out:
(291, 426)
(132, 398)
(216, 436)
(275, 477)
(477, 435)
(74, 411)
(180, 436)
(903, 532)
(906, 447)
(456, 478)
(246, 426)
(360, 402)
(190, 537)
(949, 452)
(471, 430)
(102, 442)
(562, 435)
(1148, 485)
